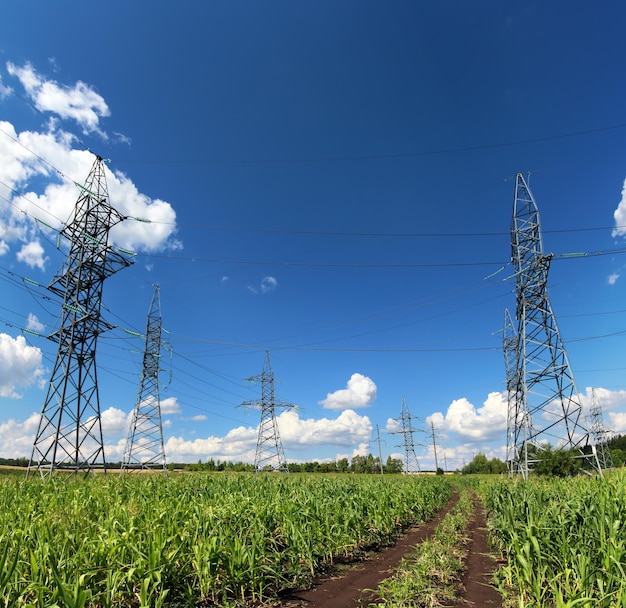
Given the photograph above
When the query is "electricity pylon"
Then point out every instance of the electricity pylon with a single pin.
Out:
(599, 432)
(144, 446)
(69, 436)
(546, 404)
(411, 464)
(269, 448)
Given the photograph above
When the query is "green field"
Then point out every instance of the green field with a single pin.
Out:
(193, 539)
(564, 540)
(239, 539)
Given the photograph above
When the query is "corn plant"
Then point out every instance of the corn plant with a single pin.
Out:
(563, 540)
(194, 539)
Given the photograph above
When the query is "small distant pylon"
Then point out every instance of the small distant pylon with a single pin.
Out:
(69, 435)
(544, 404)
(599, 432)
(270, 455)
(411, 464)
(144, 446)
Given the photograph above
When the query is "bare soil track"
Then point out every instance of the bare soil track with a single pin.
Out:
(475, 588)
(353, 587)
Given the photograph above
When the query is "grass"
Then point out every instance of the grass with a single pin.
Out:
(429, 575)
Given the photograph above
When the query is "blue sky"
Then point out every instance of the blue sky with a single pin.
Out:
(330, 181)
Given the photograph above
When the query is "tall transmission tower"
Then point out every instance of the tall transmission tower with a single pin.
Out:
(144, 446)
(599, 432)
(69, 435)
(411, 464)
(269, 449)
(546, 404)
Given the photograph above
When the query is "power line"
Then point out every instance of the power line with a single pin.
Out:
(413, 154)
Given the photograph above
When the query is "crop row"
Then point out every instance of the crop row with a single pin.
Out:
(563, 540)
(193, 539)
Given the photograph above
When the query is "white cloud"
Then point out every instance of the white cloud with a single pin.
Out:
(50, 197)
(4, 248)
(347, 429)
(617, 422)
(32, 254)
(79, 102)
(267, 285)
(115, 422)
(613, 278)
(483, 424)
(359, 392)
(5, 90)
(16, 438)
(34, 323)
(620, 215)
(239, 444)
(609, 401)
(170, 406)
(20, 365)
(606, 398)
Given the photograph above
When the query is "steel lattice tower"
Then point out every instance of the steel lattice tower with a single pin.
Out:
(144, 446)
(269, 449)
(411, 464)
(546, 407)
(69, 436)
(599, 432)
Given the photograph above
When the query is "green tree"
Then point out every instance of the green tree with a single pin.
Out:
(481, 464)
(556, 462)
(618, 457)
(343, 465)
(393, 465)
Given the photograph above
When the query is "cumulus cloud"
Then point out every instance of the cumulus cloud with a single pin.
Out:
(20, 365)
(620, 215)
(79, 102)
(613, 278)
(170, 406)
(606, 398)
(609, 401)
(16, 438)
(239, 444)
(617, 422)
(347, 429)
(114, 421)
(483, 424)
(49, 197)
(360, 391)
(32, 254)
(43, 198)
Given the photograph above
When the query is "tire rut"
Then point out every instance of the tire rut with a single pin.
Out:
(354, 587)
